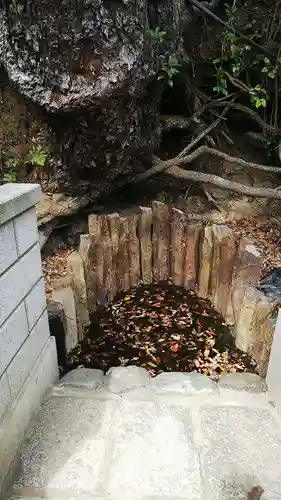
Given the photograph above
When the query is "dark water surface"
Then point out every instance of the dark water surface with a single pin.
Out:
(161, 328)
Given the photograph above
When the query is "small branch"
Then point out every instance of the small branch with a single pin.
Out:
(240, 161)
(237, 83)
(211, 199)
(244, 109)
(203, 133)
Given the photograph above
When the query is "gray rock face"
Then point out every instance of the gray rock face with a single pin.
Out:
(94, 64)
(249, 382)
(183, 383)
(271, 284)
(123, 379)
(82, 378)
(76, 56)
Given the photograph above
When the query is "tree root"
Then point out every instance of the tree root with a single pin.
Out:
(161, 166)
(191, 175)
(171, 167)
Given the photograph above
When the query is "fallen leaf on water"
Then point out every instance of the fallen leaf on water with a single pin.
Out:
(163, 338)
(174, 347)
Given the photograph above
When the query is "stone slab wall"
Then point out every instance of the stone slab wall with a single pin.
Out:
(160, 244)
(273, 376)
(24, 329)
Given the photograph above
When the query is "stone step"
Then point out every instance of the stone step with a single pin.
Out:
(193, 441)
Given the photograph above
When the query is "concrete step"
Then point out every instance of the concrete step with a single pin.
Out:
(127, 436)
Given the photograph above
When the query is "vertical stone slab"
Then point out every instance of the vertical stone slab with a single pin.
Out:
(215, 264)
(191, 264)
(205, 262)
(97, 256)
(123, 277)
(224, 253)
(262, 336)
(114, 228)
(161, 241)
(144, 232)
(178, 244)
(133, 251)
(76, 273)
(107, 258)
(247, 272)
(273, 375)
(94, 225)
(244, 328)
(86, 250)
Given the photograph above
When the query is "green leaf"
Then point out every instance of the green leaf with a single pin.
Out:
(37, 156)
(263, 103)
(216, 61)
(271, 75)
(264, 70)
(171, 83)
(233, 51)
(266, 60)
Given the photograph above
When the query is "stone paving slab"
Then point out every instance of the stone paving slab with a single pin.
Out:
(179, 444)
(273, 492)
(65, 448)
(154, 453)
(243, 450)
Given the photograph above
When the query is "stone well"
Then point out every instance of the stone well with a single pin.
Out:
(161, 244)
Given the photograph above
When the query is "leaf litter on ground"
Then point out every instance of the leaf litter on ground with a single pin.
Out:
(161, 328)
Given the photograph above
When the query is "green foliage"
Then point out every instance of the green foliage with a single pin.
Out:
(169, 70)
(221, 87)
(157, 35)
(269, 69)
(258, 97)
(270, 144)
(11, 170)
(37, 156)
(239, 59)
(16, 8)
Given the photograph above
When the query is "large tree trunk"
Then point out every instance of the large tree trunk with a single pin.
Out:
(92, 66)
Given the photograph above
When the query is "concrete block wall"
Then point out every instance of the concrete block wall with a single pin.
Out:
(24, 329)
